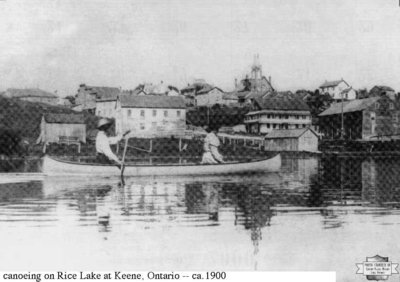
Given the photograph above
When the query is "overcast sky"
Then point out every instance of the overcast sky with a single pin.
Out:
(56, 45)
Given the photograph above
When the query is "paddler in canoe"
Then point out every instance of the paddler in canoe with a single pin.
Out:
(211, 154)
(104, 154)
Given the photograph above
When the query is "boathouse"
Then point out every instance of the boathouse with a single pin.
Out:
(61, 128)
(302, 139)
(364, 119)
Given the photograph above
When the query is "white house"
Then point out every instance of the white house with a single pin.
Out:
(151, 115)
(338, 90)
(209, 96)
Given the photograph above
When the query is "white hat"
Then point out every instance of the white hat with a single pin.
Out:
(103, 121)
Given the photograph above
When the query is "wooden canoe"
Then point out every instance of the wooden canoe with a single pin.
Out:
(53, 166)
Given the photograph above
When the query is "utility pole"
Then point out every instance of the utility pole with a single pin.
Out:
(342, 127)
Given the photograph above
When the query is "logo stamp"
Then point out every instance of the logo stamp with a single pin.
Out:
(377, 268)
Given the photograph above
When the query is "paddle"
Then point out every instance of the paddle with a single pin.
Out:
(123, 157)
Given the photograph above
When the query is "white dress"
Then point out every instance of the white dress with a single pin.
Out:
(211, 154)
(103, 145)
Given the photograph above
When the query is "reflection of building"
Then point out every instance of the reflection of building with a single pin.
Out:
(202, 198)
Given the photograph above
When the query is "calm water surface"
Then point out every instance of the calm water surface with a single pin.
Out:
(317, 214)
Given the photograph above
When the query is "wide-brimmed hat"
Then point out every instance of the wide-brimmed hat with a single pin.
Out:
(103, 121)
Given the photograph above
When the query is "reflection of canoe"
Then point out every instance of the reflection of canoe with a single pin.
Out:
(53, 166)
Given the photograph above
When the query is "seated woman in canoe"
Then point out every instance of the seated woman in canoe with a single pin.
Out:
(104, 153)
(211, 154)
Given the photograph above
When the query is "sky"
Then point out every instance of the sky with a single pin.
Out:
(57, 45)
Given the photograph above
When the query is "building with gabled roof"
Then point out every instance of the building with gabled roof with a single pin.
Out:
(302, 139)
(32, 95)
(151, 115)
(338, 90)
(55, 126)
(278, 110)
(209, 96)
(380, 90)
(88, 95)
(363, 119)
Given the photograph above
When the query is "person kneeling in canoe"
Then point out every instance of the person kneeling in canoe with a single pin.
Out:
(211, 154)
(103, 149)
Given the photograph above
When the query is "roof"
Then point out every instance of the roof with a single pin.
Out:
(153, 101)
(347, 90)
(282, 101)
(256, 94)
(382, 87)
(350, 106)
(207, 89)
(29, 92)
(332, 83)
(288, 133)
(64, 118)
(103, 93)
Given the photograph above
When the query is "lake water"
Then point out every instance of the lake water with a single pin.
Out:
(317, 214)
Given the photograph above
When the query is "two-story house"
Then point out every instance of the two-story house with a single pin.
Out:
(209, 96)
(338, 90)
(151, 115)
(88, 95)
(279, 110)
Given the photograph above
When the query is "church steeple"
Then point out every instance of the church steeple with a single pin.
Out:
(256, 73)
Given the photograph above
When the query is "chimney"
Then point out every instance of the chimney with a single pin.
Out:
(236, 83)
(269, 79)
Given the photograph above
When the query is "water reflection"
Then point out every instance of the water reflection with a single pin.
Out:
(245, 217)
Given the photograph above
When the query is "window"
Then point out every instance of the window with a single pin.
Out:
(274, 126)
(286, 117)
(391, 106)
(154, 113)
(142, 127)
(377, 105)
(165, 113)
(129, 113)
(268, 125)
(142, 113)
(304, 117)
(178, 113)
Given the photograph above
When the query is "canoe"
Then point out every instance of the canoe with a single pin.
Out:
(54, 166)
